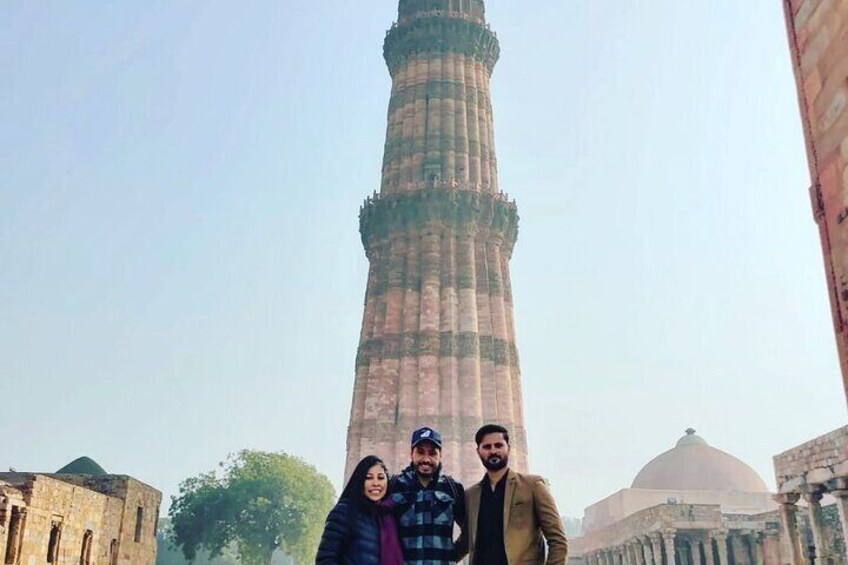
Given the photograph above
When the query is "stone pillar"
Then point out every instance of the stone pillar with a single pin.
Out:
(622, 552)
(656, 547)
(789, 522)
(646, 552)
(668, 540)
(634, 553)
(842, 507)
(817, 526)
(16, 528)
(756, 540)
(771, 548)
(738, 549)
(707, 545)
(720, 537)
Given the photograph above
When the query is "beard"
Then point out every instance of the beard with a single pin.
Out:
(433, 469)
(495, 463)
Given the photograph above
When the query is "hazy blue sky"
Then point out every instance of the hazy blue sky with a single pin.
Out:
(181, 274)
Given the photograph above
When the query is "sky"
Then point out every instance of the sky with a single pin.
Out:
(181, 274)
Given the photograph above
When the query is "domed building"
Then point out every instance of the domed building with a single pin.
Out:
(694, 465)
(691, 505)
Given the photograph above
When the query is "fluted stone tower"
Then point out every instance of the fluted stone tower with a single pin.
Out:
(437, 346)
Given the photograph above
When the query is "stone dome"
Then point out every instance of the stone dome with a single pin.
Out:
(82, 466)
(694, 465)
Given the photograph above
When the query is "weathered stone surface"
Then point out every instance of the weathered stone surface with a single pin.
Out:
(77, 519)
(813, 463)
(818, 38)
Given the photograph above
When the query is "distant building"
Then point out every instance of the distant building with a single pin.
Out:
(79, 515)
(692, 505)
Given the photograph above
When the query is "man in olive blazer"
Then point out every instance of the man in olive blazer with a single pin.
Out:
(530, 518)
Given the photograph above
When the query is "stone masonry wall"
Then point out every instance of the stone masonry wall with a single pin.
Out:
(68, 503)
(822, 454)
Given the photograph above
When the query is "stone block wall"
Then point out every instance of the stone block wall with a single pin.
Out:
(811, 462)
(68, 522)
(138, 543)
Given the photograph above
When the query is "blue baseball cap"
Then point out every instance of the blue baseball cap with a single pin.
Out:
(427, 434)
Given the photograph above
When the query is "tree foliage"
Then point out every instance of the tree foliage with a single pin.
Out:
(258, 502)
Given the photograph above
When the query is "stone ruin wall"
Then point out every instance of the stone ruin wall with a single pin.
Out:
(106, 507)
(823, 453)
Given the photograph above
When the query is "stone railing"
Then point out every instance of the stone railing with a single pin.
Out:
(439, 34)
(459, 211)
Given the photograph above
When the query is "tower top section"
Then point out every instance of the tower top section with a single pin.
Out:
(438, 27)
(468, 9)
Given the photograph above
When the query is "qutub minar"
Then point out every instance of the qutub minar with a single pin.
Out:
(437, 346)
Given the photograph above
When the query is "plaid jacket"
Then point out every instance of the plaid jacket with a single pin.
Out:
(426, 516)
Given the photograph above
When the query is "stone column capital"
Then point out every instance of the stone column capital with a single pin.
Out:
(718, 534)
(790, 498)
(813, 497)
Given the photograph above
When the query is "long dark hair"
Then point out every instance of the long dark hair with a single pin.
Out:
(354, 489)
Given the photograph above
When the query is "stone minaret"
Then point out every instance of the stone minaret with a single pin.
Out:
(437, 346)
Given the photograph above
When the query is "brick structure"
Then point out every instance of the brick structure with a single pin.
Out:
(77, 519)
(817, 37)
(817, 471)
(437, 345)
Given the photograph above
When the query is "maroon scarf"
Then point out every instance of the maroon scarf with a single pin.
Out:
(390, 552)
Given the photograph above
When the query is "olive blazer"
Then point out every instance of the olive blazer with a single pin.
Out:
(529, 514)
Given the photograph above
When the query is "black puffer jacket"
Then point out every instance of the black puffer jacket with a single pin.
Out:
(351, 537)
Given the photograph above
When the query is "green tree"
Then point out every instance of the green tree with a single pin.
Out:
(257, 502)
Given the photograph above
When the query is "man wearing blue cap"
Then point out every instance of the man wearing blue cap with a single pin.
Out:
(428, 503)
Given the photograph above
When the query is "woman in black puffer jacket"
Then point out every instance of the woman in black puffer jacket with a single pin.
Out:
(360, 529)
